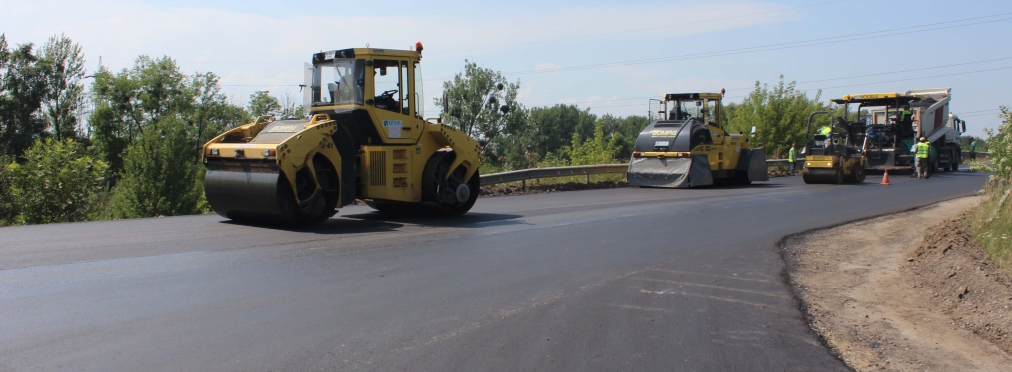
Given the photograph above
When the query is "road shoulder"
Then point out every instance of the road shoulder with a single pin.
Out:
(875, 293)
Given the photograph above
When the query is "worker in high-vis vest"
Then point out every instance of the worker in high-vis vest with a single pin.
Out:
(923, 150)
(792, 158)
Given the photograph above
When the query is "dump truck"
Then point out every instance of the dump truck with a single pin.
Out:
(892, 122)
(833, 156)
(685, 145)
(364, 138)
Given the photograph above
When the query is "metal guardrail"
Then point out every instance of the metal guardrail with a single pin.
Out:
(586, 170)
(530, 174)
(580, 170)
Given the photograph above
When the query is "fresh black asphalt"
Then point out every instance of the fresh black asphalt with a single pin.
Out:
(603, 280)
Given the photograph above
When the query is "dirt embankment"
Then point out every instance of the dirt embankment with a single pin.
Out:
(904, 292)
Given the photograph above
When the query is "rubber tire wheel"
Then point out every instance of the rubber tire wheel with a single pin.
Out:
(840, 177)
(295, 217)
(475, 185)
(860, 174)
(429, 190)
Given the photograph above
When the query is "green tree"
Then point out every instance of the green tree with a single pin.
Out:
(212, 113)
(262, 103)
(127, 102)
(58, 182)
(23, 87)
(624, 131)
(999, 155)
(482, 103)
(159, 175)
(595, 150)
(553, 127)
(7, 210)
(779, 113)
(65, 93)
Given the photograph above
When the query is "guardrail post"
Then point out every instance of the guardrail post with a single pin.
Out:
(523, 184)
(588, 179)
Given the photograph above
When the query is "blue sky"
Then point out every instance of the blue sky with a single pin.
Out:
(631, 50)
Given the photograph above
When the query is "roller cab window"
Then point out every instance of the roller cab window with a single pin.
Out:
(391, 79)
(340, 81)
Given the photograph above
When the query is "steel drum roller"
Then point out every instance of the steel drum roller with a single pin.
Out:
(821, 176)
(246, 191)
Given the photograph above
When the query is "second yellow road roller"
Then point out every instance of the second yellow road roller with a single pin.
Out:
(366, 138)
(832, 156)
(685, 145)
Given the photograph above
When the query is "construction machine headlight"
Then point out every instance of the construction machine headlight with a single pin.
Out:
(212, 152)
(269, 153)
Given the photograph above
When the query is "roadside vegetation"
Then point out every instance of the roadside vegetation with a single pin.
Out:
(79, 145)
(992, 221)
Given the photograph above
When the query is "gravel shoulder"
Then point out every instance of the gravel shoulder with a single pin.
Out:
(904, 292)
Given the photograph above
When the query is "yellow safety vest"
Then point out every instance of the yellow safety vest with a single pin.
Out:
(791, 157)
(922, 150)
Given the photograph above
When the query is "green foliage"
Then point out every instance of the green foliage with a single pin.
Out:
(159, 175)
(57, 182)
(779, 113)
(991, 224)
(155, 89)
(7, 211)
(65, 94)
(596, 150)
(965, 141)
(482, 103)
(262, 103)
(999, 154)
(625, 131)
(23, 87)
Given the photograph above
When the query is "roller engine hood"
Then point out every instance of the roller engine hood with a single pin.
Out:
(667, 135)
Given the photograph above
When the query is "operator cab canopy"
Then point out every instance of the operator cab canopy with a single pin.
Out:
(384, 78)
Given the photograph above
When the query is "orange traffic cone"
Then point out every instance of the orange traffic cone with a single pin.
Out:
(885, 178)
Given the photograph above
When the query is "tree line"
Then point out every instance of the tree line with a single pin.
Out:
(112, 144)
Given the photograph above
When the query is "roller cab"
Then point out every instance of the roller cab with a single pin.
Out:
(365, 138)
(685, 146)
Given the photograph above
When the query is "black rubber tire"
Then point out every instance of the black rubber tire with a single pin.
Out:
(475, 185)
(861, 173)
(430, 185)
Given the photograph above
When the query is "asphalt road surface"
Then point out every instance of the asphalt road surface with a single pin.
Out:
(618, 280)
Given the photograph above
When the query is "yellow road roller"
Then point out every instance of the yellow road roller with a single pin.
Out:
(685, 145)
(365, 138)
(831, 157)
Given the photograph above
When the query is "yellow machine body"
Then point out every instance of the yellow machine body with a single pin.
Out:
(686, 146)
(379, 149)
(834, 159)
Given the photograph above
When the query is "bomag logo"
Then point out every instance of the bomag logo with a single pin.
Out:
(283, 128)
(664, 133)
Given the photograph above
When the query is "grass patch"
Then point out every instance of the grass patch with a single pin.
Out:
(991, 225)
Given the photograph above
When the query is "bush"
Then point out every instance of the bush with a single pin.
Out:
(58, 182)
(999, 156)
(992, 221)
(159, 175)
(7, 211)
